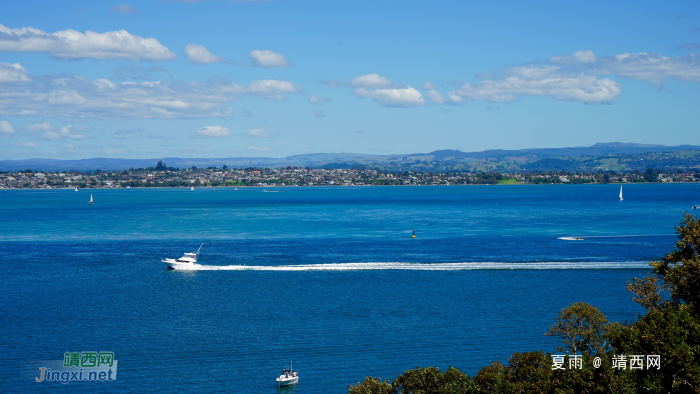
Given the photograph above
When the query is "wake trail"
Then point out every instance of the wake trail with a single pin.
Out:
(427, 266)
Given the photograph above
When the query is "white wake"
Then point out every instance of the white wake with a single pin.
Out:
(427, 266)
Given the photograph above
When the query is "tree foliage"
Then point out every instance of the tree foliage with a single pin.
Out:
(581, 327)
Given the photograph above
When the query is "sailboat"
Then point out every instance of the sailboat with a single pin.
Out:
(620, 192)
(91, 199)
(76, 189)
(192, 188)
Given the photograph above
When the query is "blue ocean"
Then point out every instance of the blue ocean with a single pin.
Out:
(327, 278)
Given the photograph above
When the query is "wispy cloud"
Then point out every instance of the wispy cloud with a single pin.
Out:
(267, 59)
(69, 131)
(539, 81)
(406, 97)
(212, 132)
(137, 72)
(6, 128)
(40, 127)
(318, 100)
(258, 133)
(373, 81)
(319, 113)
(13, 72)
(123, 9)
(75, 97)
(198, 54)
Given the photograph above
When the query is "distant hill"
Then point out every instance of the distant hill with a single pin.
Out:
(527, 158)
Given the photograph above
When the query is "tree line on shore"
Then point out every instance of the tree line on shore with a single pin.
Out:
(604, 352)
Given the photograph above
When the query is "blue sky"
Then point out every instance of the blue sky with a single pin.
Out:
(275, 78)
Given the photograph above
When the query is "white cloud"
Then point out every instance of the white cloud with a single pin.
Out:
(6, 128)
(212, 132)
(13, 72)
(260, 133)
(122, 9)
(256, 149)
(267, 59)
(72, 44)
(406, 97)
(68, 131)
(318, 100)
(75, 97)
(650, 67)
(113, 152)
(372, 81)
(539, 81)
(64, 132)
(428, 86)
(154, 135)
(51, 135)
(40, 127)
(272, 89)
(30, 145)
(67, 146)
(644, 66)
(198, 54)
(576, 58)
(434, 97)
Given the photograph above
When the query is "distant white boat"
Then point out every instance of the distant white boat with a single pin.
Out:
(620, 192)
(76, 189)
(192, 188)
(91, 199)
(288, 377)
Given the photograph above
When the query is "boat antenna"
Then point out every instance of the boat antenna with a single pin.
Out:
(200, 247)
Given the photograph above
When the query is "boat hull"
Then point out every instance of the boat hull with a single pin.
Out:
(288, 381)
(174, 265)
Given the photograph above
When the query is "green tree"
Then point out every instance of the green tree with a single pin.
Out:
(431, 380)
(372, 386)
(680, 269)
(581, 327)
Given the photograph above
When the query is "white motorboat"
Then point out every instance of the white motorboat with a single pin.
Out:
(288, 377)
(187, 261)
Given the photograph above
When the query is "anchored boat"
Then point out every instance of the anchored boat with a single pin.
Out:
(288, 377)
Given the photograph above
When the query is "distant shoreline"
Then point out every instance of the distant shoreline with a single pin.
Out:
(353, 186)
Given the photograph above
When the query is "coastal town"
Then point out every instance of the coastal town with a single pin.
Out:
(162, 176)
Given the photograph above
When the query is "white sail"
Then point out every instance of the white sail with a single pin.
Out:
(620, 192)
(91, 199)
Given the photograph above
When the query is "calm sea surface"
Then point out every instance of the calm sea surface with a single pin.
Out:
(327, 277)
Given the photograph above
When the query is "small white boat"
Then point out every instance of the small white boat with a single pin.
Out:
(187, 261)
(76, 189)
(287, 378)
(91, 199)
(620, 192)
(192, 188)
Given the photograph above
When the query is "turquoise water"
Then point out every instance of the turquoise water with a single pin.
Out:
(328, 277)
